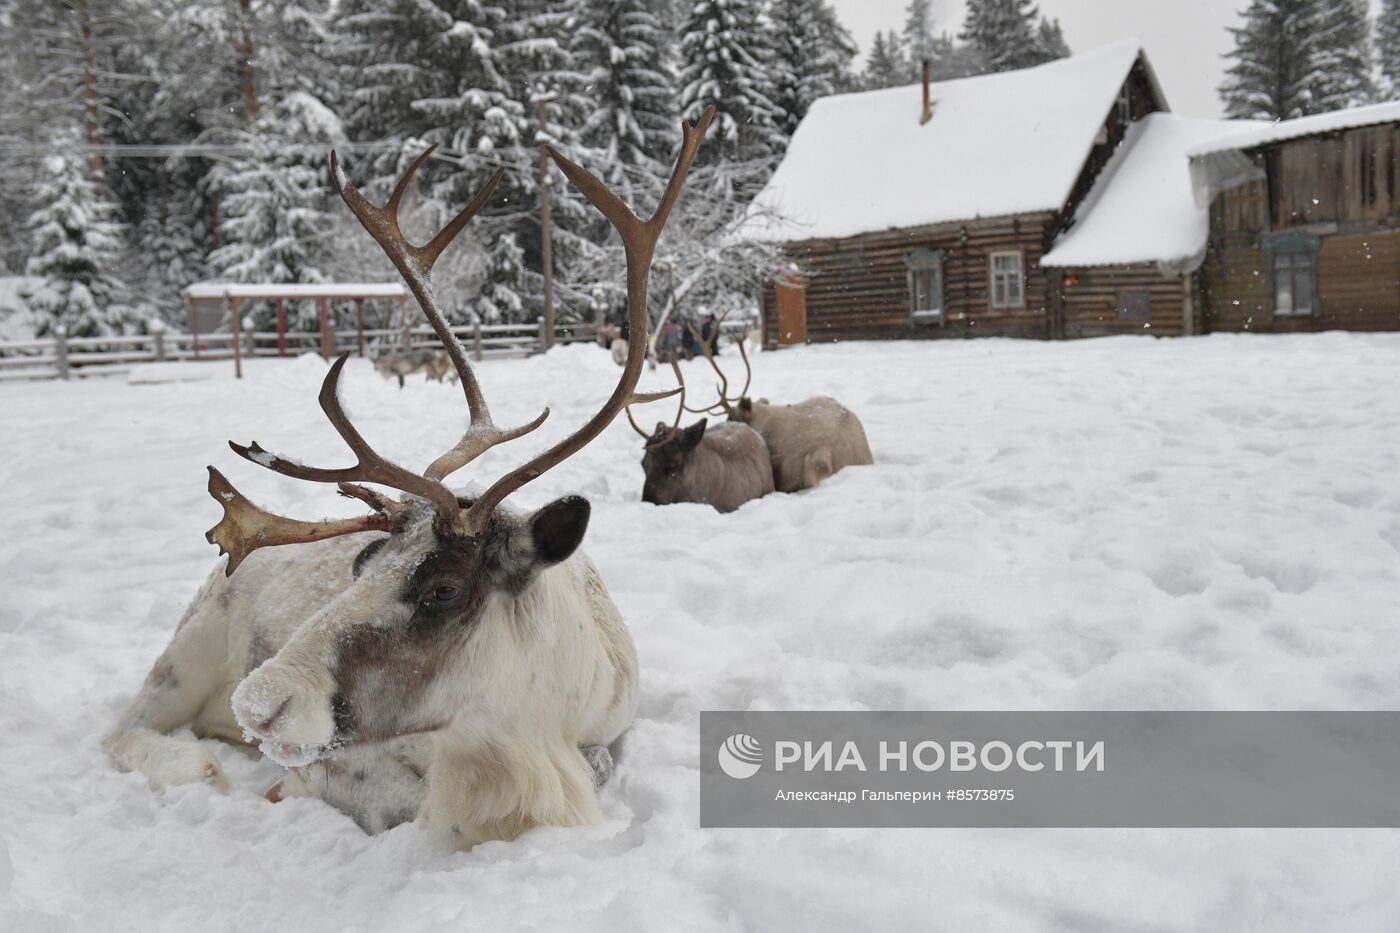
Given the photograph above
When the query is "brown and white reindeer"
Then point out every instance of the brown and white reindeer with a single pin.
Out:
(443, 659)
(807, 442)
(400, 364)
(723, 465)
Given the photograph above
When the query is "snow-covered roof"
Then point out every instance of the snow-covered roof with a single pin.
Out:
(998, 144)
(1305, 126)
(1142, 207)
(200, 290)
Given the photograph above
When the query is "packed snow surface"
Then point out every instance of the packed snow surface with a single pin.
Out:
(1142, 208)
(1126, 523)
(998, 144)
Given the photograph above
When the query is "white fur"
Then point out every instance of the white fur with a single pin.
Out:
(541, 674)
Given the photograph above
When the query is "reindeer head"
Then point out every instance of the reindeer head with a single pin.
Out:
(424, 630)
(668, 452)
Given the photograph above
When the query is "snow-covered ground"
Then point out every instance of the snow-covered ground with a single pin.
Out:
(1208, 523)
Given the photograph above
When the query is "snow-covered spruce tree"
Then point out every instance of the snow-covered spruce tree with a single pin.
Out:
(430, 71)
(886, 65)
(1388, 44)
(919, 33)
(811, 57)
(77, 248)
(275, 199)
(1052, 40)
(622, 68)
(1005, 33)
(1345, 65)
(724, 63)
(1296, 57)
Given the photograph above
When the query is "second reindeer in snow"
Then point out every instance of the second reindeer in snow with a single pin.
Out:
(723, 465)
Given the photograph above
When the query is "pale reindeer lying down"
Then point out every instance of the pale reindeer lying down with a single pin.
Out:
(444, 660)
(807, 442)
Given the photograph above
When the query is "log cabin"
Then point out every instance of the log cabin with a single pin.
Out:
(924, 211)
(1066, 201)
(1304, 224)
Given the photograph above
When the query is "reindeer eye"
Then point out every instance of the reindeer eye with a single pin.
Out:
(445, 593)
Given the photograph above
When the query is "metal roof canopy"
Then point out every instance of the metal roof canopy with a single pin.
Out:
(217, 291)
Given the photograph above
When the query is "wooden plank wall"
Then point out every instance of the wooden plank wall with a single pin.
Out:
(1091, 303)
(1354, 180)
(858, 287)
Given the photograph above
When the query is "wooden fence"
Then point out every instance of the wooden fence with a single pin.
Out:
(67, 357)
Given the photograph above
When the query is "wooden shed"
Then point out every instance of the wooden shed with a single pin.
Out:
(905, 227)
(1304, 224)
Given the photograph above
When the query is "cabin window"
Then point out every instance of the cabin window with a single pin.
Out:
(1008, 284)
(1132, 306)
(925, 286)
(1295, 284)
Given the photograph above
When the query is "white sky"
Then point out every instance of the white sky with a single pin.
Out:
(1185, 39)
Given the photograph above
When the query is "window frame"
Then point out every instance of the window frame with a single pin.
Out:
(1299, 252)
(1145, 316)
(992, 274)
(926, 262)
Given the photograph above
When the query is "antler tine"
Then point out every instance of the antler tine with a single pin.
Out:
(639, 244)
(245, 527)
(748, 370)
(415, 264)
(723, 403)
(369, 466)
(680, 380)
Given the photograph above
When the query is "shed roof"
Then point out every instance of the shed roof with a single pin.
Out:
(1008, 143)
(1142, 207)
(1265, 133)
(208, 290)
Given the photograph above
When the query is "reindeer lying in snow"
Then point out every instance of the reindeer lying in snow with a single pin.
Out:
(724, 466)
(434, 364)
(441, 659)
(807, 442)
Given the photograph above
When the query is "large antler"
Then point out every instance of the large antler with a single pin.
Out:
(415, 263)
(639, 246)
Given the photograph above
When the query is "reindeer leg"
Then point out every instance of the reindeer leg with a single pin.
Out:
(188, 672)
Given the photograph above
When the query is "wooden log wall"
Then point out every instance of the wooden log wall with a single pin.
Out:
(858, 287)
(1093, 304)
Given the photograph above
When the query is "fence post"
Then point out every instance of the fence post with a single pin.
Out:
(60, 336)
(360, 324)
(476, 340)
(544, 341)
(403, 322)
(159, 334)
(327, 351)
(236, 340)
(281, 326)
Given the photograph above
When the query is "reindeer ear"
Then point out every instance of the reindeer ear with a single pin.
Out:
(691, 436)
(557, 529)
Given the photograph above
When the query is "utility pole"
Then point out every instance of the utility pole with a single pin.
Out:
(546, 228)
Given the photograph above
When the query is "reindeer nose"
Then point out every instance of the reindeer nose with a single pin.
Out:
(264, 727)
